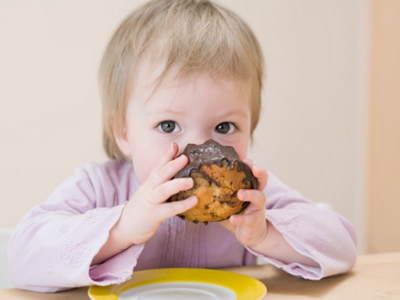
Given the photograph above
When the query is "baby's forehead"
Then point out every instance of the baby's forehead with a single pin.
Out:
(200, 97)
(150, 77)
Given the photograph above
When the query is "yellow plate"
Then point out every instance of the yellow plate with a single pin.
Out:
(182, 283)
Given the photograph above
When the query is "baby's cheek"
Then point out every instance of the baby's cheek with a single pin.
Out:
(143, 168)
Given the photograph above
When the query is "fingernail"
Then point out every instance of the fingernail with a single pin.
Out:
(174, 147)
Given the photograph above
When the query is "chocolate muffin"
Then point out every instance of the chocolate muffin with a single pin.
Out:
(218, 174)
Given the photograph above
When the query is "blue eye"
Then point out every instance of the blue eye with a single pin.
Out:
(225, 128)
(168, 126)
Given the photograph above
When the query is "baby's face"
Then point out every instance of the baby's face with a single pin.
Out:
(189, 110)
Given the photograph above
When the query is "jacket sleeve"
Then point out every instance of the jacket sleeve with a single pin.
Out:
(53, 246)
(317, 232)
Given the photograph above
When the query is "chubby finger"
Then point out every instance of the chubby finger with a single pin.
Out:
(243, 220)
(171, 209)
(165, 172)
(169, 155)
(171, 187)
(255, 197)
(262, 176)
(227, 225)
(259, 172)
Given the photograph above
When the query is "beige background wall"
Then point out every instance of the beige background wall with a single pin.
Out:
(312, 133)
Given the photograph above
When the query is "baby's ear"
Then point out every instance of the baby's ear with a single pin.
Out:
(121, 138)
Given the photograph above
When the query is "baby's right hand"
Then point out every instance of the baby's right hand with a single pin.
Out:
(147, 208)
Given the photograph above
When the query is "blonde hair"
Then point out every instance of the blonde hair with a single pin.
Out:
(192, 35)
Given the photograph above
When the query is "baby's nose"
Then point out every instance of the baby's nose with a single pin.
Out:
(196, 141)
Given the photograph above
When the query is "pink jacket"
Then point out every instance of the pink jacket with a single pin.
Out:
(52, 247)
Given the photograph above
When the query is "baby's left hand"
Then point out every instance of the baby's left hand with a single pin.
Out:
(250, 227)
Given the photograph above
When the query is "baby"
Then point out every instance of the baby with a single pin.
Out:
(175, 72)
